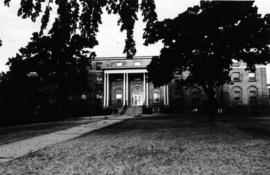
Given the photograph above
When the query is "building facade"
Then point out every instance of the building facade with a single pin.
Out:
(124, 82)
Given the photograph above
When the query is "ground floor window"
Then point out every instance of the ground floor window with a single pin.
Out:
(119, 98)
(253, 100)
(99, 96)
(237, 96)
(195, 94)
(156, 96)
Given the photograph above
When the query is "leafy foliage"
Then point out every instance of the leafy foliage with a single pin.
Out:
(87, 13)
(204, 39)
(38, 81)
(51, 73)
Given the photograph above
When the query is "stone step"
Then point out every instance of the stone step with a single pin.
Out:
(133, 110)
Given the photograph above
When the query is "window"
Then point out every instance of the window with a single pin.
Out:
(253, 97)
(83, 97)
(235, 63)
(156, 96)
(251, 77)
(236, 76)
(137, 63)
(99, 79)
(237, 95)
(32, 74)
(195, 96)
(137, 79)
(155, 109)
(177, 77)
(119, 64)
(98, 66)
(119, 98)
(99, 96)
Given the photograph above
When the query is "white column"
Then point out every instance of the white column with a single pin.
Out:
(164, 94)
(144, 88)
(127, 88)
(147, 94)
(108, 91)
(168, 103)
(104, 90)
(124, 89)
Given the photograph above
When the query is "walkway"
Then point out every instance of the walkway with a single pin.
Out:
(20, 148)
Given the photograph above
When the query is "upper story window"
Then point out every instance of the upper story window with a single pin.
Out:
(98, 65)
(99, 78)
(137, 79)
(119, 64)
(251, 76)
(236, 76)
(177, 77)
(235, 63)
(137, 63)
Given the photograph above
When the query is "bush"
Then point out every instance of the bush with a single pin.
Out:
(147, 110)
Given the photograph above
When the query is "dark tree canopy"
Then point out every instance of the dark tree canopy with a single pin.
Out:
(38, 82)
(204, 39)
(53, 68)
(86, 16)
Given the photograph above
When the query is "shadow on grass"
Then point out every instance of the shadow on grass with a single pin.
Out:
(16, 133)
(249, 126)
(160, 122)
(258, 131)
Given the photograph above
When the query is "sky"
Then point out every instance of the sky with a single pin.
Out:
(16, 32)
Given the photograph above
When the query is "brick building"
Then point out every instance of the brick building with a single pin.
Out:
(123, 82)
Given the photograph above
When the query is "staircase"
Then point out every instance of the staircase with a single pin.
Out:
(131, 110)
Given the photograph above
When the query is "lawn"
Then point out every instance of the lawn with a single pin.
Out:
(154, 145)
(16, 133)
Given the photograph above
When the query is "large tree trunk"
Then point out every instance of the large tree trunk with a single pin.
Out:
(211, 104)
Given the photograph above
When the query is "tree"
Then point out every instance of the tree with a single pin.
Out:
(50, 71)
(38, 83)
(88, 13)
(204, 39)
(53, 67)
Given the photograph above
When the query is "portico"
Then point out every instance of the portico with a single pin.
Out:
(129, 87)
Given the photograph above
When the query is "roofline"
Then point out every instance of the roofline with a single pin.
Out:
(123, 68)
(123, 58)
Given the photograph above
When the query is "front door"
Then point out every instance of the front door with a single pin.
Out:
(137, 100)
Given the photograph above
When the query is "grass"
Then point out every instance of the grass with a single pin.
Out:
(163, 145)
(16, 133)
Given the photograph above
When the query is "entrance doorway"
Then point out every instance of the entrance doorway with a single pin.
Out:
(137, 100)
